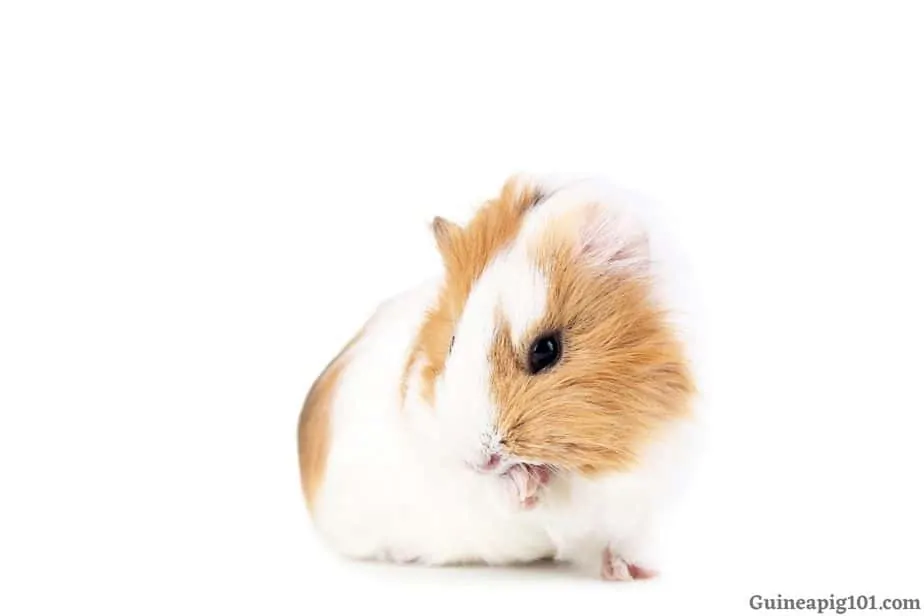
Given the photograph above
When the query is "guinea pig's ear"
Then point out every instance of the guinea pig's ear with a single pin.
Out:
(612, 241)
(445, 232)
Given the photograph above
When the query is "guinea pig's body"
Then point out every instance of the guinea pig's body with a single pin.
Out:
(531, 403)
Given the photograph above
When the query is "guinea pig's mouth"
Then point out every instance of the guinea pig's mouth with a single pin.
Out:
(538, 473)
(502, 465)
(526, 478)
(510, 468)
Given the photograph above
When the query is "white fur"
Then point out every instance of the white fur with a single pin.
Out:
(515, 287)
(399, 482)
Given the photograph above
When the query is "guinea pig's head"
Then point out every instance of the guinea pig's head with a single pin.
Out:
(547, 344)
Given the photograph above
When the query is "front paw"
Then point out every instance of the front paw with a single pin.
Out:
(615, 568)
(526, 482)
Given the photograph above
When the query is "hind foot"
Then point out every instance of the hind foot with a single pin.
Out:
(616, 569)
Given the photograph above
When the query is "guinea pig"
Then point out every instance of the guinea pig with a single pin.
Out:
(531, 402)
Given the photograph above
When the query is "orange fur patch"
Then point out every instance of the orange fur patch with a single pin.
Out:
(466, 252)
(314, 423)
(622, 372)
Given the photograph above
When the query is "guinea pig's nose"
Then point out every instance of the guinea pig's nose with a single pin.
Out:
(491, 463)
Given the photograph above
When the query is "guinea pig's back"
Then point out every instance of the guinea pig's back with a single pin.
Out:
(352, 404)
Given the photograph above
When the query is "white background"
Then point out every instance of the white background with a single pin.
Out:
(201, 201)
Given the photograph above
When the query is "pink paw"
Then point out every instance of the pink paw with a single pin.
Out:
(617, 569)
(526, 481)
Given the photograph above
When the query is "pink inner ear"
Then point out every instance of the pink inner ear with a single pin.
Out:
(612, 242)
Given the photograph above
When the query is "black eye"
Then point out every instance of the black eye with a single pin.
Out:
(544, 352)
(452, 342)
